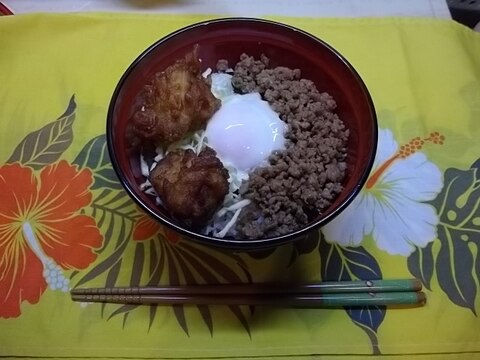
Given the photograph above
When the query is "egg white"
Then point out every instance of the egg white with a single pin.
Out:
(245, 130)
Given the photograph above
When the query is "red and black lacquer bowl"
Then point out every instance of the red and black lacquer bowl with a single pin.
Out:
(228, 39)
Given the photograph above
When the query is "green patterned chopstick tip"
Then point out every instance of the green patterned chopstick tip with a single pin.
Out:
(399, 285)
(374, 299)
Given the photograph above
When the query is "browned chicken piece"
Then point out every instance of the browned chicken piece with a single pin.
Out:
(177, 101)
(191, 187)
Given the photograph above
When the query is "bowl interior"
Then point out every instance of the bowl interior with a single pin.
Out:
(228, 39)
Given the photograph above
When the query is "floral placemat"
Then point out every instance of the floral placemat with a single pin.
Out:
(65, 220)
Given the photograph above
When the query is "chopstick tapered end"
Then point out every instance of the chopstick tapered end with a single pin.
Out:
(417, 285)
(422, 298)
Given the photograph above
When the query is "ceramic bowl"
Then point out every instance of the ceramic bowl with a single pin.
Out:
(228, 39)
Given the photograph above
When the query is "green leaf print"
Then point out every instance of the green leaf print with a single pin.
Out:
(454, 269)
(458, 207)
(457, 263)
(115, 214)
(94, 155)
(344, 264)
(421, 264)
(46, 145)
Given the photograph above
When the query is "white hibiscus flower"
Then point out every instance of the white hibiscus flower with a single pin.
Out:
(391, 205)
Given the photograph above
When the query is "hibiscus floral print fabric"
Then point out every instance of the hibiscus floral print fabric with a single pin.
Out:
(66, 222)
(42, 232)
(392, 206)
(57, 217)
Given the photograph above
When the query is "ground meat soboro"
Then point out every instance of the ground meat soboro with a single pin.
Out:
(305, 178)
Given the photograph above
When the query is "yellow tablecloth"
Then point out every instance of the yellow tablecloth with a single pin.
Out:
(65, 221)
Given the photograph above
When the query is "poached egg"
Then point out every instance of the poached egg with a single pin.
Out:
(245, 130)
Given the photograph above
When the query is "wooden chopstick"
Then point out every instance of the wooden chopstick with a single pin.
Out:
(332, 287)
(325, 294)
(309, 301)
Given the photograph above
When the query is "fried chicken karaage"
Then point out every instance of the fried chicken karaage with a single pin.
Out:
(191, 187)
(176, 102)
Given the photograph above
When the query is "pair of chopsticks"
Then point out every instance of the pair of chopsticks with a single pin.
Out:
(319, 295)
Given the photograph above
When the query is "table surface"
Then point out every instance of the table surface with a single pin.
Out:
(313, 8)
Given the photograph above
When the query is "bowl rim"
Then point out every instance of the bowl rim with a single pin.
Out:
(256, 244)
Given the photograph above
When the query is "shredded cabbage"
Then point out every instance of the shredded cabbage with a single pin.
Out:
(229, 225)
(206, 73)
(222, 86)
(144, 166)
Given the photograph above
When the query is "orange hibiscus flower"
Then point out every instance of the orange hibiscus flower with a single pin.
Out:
(146, 228)
(42, 232)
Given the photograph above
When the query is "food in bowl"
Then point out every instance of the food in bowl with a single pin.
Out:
(192, 187)
(246, 153)
(285, 46)
(176, 101)
(303, 180)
